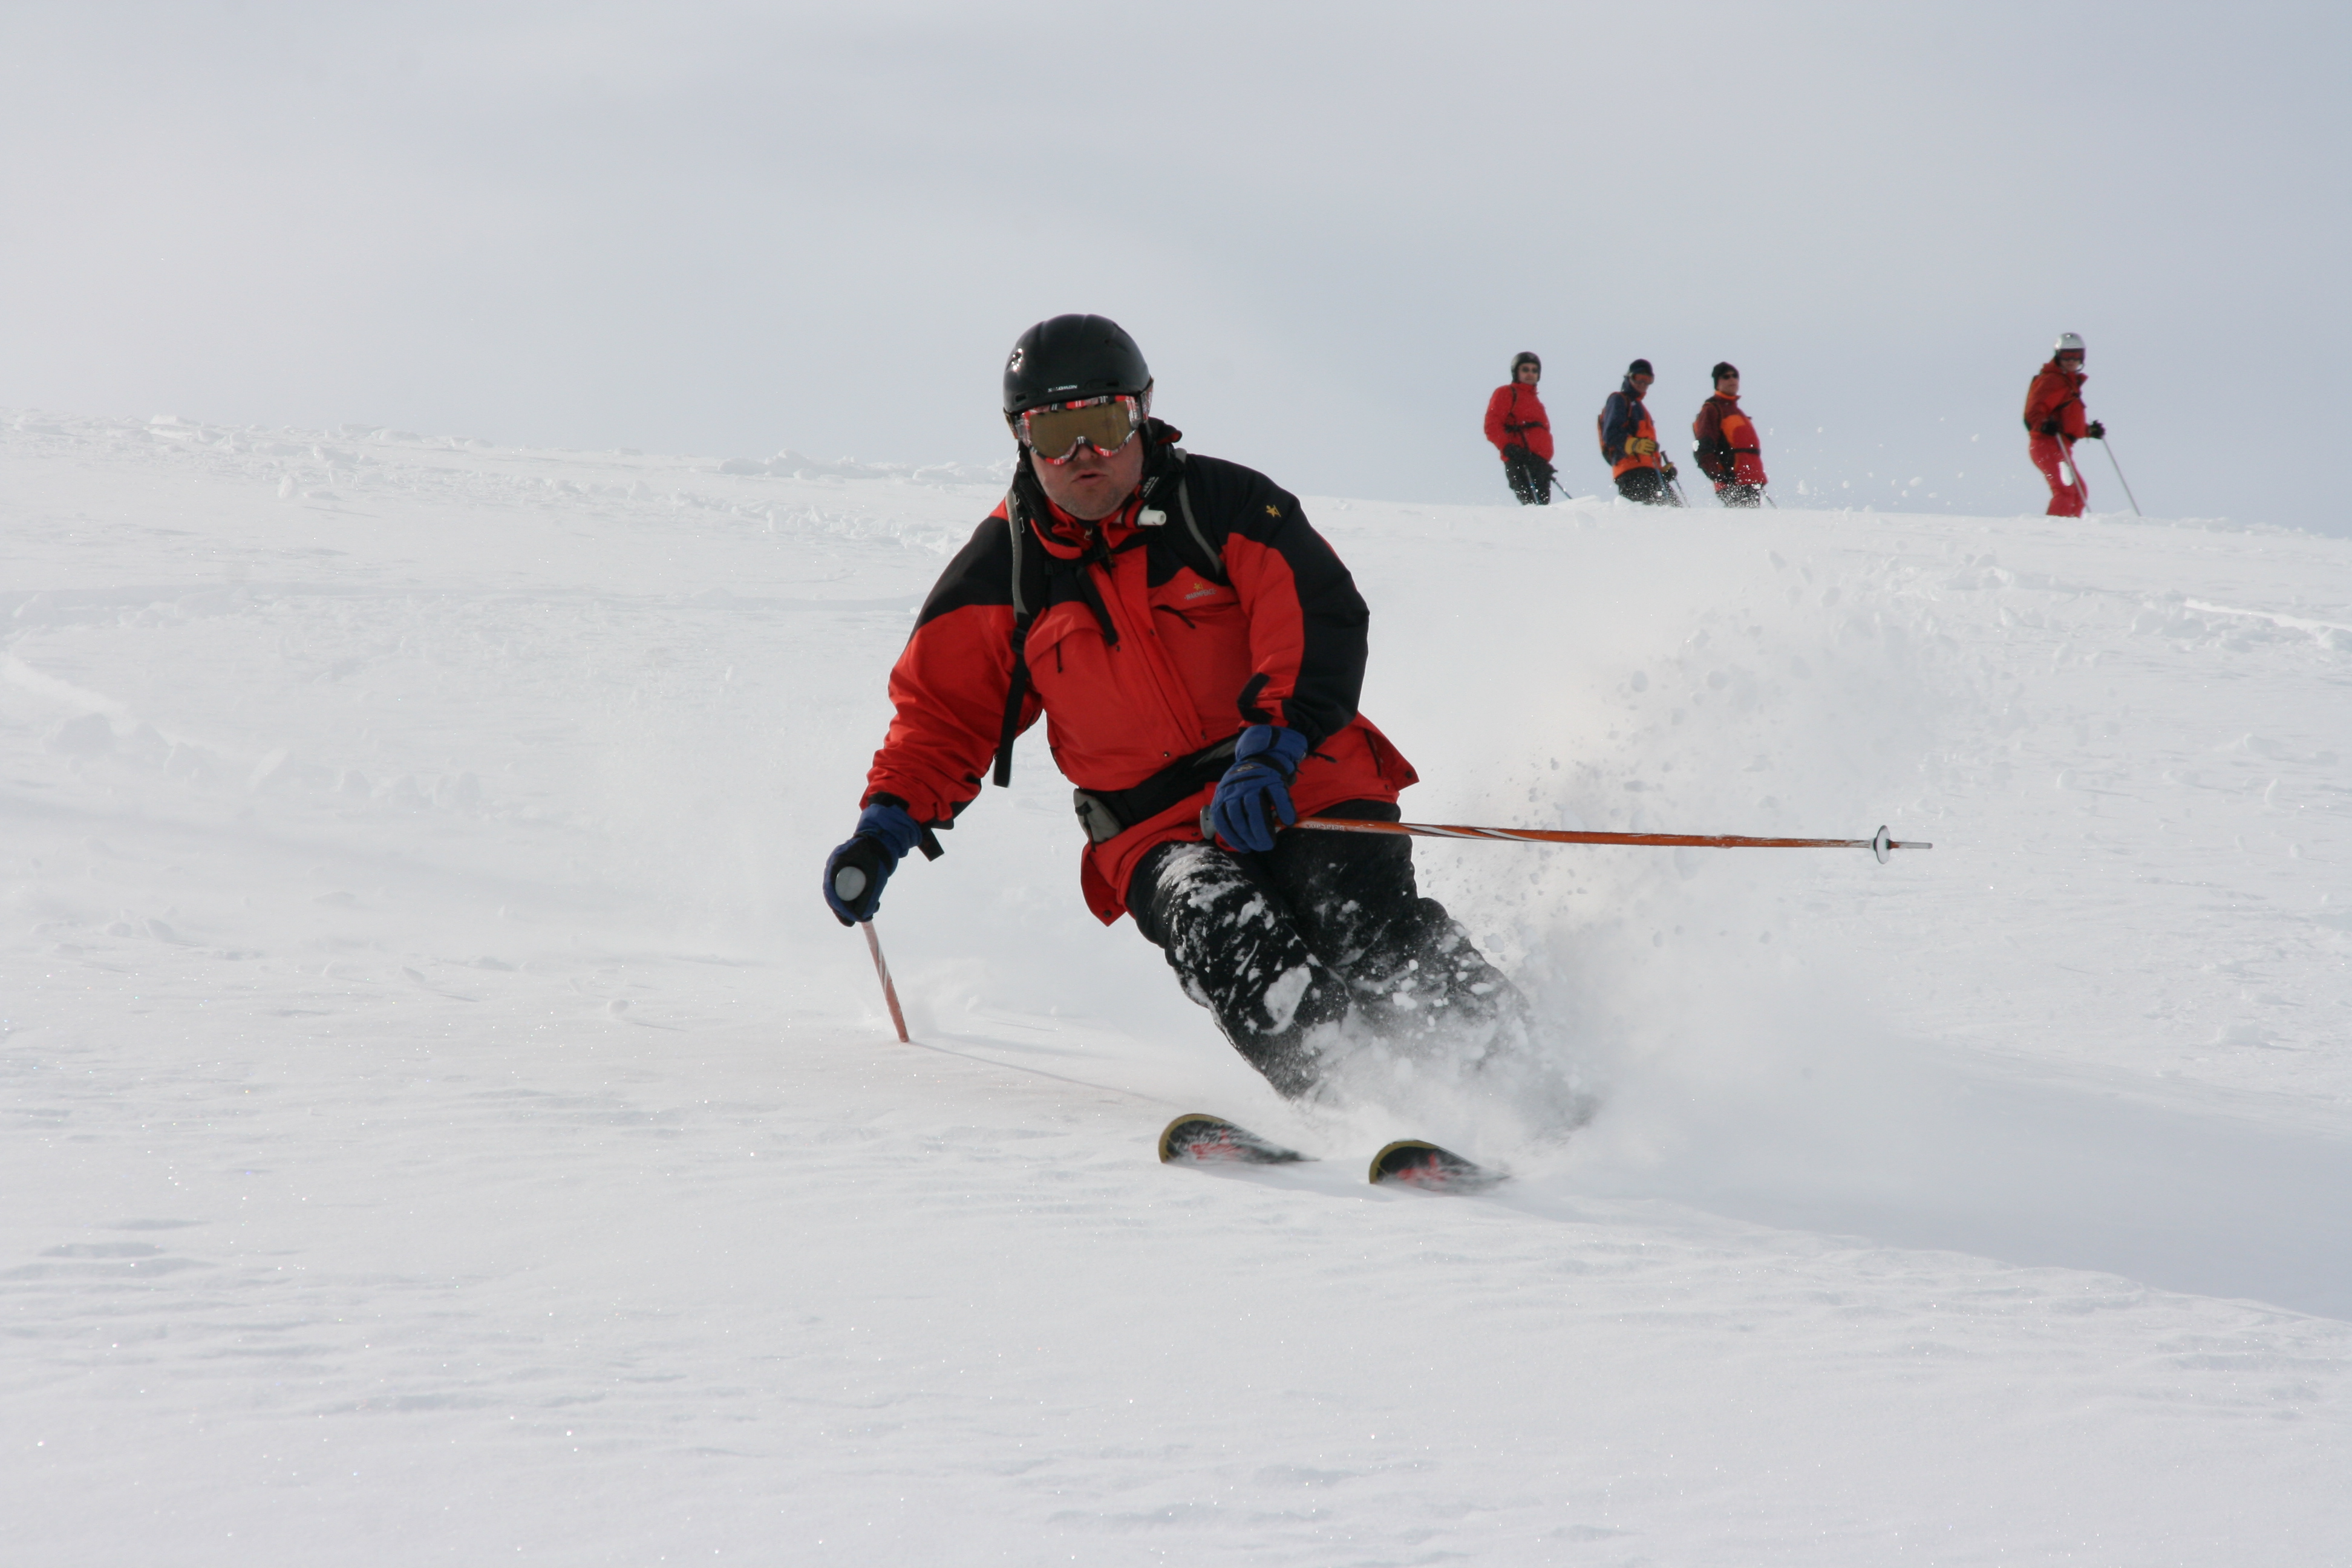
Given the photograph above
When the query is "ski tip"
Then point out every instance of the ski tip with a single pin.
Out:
(1410, 1162)
(1198, 1138)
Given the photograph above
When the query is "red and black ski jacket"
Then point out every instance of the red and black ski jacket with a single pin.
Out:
(1724, 441)
(2056, 398)
(1147, 641)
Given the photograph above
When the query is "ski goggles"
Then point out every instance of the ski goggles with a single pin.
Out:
(1105, 423)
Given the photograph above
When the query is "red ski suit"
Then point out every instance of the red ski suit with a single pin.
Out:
(1154, 638)
(2056, 398)
(1516, 418)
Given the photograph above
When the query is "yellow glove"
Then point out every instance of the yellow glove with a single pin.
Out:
(1641, 443)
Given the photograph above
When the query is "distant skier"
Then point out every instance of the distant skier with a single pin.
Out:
(1724, 442)
(1629, 440)
(1191, 640)
(1516, 425)
(2054, 422)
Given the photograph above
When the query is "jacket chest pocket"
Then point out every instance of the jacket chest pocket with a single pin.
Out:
(1067, 656)
(1206, 635)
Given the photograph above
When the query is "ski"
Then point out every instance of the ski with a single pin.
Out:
(1410, 1162)
(1198, 1139)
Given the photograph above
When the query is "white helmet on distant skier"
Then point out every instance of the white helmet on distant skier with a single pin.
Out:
(2068, 343)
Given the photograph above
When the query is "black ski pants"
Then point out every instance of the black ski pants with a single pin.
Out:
(1739, 495)
(1647, 485)
(1529, 475)
(1286, 947)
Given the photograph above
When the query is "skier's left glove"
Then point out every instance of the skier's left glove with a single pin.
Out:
(1255, 794)
(2097, 432)
(854, 874)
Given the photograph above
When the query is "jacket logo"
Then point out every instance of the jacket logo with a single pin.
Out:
(1200, 591)
(1272, 510)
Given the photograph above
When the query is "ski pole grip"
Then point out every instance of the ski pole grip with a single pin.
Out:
(849, 884)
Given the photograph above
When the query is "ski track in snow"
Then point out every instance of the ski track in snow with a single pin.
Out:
(442, 1120)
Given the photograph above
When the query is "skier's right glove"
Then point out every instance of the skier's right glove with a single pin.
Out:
(1641, 444)
(1254, 796)
(2097, 432)
(2048, 428)
(854, 874)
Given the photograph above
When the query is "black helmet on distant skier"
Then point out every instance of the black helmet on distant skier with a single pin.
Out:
(1073, 357)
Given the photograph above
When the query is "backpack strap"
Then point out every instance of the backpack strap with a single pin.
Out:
(1212, 560)
(1016, 691)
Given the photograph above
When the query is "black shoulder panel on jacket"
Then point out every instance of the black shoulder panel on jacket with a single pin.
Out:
(981, 573)
(1231, 499)
(1227, 497)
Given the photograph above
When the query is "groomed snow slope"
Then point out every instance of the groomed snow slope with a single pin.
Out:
(443, 1124)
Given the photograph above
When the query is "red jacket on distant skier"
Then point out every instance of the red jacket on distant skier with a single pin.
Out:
(2056, 398)
(1728, 450)
(1141, 654)
(1515, 416)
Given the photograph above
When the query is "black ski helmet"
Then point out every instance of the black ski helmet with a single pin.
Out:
(1724, 371)
(1071, 357)
(1527, 356)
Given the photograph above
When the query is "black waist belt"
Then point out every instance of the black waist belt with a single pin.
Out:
(1108, 813)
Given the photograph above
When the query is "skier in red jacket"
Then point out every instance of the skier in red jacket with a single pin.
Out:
(1190, 641)
(1518, 426)
(1722, 439)
(2054, 422)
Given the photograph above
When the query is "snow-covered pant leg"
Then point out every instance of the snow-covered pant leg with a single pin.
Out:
(1233, 942)
(1528, 480)
(2067, 494)
(1415, 973)
(1733, 494)
(1645, 486)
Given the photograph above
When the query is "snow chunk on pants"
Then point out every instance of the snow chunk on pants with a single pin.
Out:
(1289, 947)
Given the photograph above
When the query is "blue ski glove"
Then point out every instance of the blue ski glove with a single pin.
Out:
(1255, 794)
(854, 874)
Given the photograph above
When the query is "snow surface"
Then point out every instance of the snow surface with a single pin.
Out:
(444, 1124)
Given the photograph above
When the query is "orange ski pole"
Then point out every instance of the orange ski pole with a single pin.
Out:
(1879, 844)
(889, 991)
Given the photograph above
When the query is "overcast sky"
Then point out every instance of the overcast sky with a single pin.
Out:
(735, 228)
